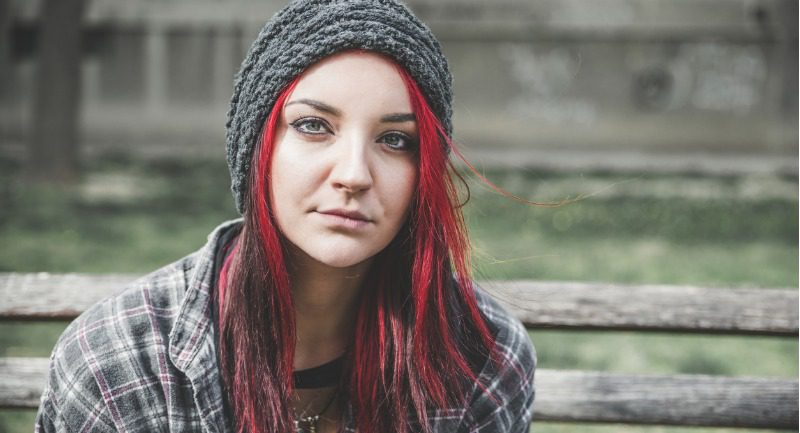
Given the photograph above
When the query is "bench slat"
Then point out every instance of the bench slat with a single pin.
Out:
(46, 296)
(538, 304)
(565, 395)
(690, 400)
(22, 381)
(650, 307)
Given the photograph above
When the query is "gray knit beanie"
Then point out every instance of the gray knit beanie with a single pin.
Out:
(306, 31)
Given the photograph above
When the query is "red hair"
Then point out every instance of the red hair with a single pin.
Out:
(418, 330)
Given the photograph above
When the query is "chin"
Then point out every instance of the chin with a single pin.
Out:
(338, 252)
(340, 260)
(338, 255)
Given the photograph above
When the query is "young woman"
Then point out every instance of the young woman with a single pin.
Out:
(341, 301)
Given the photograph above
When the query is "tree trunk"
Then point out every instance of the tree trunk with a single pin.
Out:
(53, 155)
(5, 53)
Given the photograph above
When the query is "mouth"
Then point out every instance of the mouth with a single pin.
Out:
(341, 219)
(342, 213)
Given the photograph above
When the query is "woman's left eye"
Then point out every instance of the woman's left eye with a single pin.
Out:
(398, 141)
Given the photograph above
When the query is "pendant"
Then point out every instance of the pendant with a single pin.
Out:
(306, 425)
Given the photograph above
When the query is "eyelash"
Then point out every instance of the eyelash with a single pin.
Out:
(411, 143)
(300, 124)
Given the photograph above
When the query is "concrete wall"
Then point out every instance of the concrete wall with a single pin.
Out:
(537, 82)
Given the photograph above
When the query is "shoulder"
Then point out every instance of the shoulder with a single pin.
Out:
(114, 347)
(503, 400)
(511, 335)
(128, 317)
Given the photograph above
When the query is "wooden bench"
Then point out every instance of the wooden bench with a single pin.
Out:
(562, 395)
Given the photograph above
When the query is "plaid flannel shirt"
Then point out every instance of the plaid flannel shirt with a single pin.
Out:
(144, 360)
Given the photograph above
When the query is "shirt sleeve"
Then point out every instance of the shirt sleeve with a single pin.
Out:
(71, 400)
(44, 420)
(48, 419)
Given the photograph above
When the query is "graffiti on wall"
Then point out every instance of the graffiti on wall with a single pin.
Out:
(546, 80)
(556, 86)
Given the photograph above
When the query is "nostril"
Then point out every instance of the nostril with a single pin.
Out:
(353, 175)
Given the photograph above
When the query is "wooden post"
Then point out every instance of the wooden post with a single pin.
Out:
(155, 58)
(54, 150)
(5, 48)
(224, 52)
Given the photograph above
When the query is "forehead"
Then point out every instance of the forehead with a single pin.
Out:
(355, 78)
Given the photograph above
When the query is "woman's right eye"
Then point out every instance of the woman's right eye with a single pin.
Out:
(310, 125)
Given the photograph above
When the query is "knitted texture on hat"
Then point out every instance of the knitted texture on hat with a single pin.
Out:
(306, 31)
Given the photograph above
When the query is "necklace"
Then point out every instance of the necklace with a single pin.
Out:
(309, 424)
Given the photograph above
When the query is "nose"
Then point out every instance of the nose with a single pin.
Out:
(351, 171)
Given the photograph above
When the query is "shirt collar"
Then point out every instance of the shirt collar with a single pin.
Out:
(192, 342)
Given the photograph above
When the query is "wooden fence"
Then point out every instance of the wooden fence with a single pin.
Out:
(562, 395)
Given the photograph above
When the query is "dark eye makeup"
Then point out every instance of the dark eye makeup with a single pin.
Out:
(394, 140)
(310, 126)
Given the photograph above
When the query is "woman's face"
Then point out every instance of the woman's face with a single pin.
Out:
(344, 164)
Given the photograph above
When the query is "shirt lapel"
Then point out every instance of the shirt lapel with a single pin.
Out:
(192, 341)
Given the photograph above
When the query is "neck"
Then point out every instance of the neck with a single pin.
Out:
(325, 301)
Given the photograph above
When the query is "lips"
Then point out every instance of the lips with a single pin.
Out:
(353, 215)
(342, 220)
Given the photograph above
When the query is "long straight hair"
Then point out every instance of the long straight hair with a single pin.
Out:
(418, 329)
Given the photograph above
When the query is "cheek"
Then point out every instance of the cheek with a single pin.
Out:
(403, 186)
(291, 157)
(287, 177)
(276, 182)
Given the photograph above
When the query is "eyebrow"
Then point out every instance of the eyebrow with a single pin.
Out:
(399, 117)
(325, 108)
(319, 105)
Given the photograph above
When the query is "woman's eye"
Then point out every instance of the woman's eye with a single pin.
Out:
(398, 141)
(310, 126)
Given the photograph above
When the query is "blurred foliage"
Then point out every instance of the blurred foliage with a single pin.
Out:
(637, 229)
(663, 353)
(635, 206)
(126, 216)
(552, 427)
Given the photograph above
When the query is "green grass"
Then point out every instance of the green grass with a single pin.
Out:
(630, 237)
(662, 353)
(133, 216)
(551, 427)
(168, 211)
(642, 260)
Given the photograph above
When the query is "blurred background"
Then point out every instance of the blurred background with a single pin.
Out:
(675, 121)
